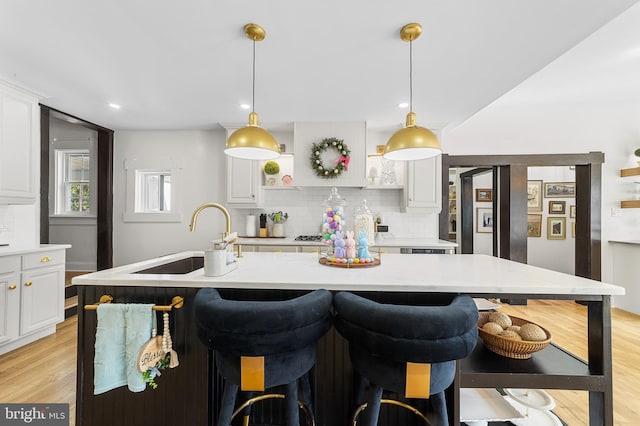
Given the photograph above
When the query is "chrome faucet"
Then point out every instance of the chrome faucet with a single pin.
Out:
(196, 212)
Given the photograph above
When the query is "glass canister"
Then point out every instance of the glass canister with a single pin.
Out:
(363, 221)
(333, 219)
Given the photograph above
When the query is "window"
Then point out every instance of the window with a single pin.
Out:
(152, 190)
(73, 183)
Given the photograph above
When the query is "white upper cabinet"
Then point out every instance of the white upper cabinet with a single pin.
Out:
(243, 183)
(423, 186)
(244, 187)
(19, 141)
(353, 134)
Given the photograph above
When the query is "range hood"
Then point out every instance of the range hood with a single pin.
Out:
(354, 136)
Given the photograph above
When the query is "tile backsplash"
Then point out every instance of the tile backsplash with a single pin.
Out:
(305, 207)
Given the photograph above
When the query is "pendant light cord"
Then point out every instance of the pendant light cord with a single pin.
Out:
(411, 75)
(253, 88)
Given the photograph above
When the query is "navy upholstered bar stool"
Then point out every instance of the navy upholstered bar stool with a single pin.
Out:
(259, 345)
(409, 350)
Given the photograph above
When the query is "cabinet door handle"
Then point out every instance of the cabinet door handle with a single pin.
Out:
(12, 287)
(45, 259)
(28, 284)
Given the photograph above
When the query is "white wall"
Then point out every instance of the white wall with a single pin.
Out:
(557, 255)
(23, 222)
(200, 153)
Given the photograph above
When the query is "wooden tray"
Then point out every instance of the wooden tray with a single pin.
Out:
(324, 261)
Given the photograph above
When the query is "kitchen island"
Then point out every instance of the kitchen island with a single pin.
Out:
(183, 394)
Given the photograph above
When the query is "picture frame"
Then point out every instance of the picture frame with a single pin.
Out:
(573, 229)
(534, 195)
(559, 189)
(484, 220)
(556, 228)
(534, 225)
(484, 194)
(557, 207)
(572, 211)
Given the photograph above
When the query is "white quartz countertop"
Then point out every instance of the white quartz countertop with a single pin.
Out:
(13, 250)
(461, 273)
(386, 242)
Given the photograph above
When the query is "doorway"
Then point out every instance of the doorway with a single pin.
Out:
(510, 203)
(102, 183)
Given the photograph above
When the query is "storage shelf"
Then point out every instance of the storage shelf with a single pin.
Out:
(634, 171)
(630, 204)
(551, 368)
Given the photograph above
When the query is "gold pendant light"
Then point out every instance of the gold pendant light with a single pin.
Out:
(252, 141)
(413, 142)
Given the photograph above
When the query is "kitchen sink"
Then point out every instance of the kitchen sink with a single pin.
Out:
(182, 266)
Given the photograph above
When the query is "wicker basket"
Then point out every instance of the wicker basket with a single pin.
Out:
(511, 348)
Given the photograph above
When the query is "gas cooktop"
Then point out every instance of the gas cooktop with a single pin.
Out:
(308, 238)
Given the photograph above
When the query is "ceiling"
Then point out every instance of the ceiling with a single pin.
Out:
(187, 64)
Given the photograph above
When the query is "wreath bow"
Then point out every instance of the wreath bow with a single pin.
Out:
(344, 160)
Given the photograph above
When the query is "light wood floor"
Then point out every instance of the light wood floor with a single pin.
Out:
(45, 371)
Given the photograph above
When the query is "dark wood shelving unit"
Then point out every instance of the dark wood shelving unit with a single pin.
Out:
(553, 367)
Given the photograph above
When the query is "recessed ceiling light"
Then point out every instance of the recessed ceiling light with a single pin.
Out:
(245, 106)
(403, 105)
(114, 106)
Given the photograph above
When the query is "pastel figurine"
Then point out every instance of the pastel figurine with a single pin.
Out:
(350, 251)
(363, 252)
(338, 245)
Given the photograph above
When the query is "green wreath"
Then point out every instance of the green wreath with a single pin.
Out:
(342, 162)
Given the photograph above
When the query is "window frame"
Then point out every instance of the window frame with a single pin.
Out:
(62, 161)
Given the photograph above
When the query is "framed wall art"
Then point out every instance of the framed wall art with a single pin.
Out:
(484, 194)
(557, 207)
(534, 225)
(572, 211)
(559, 189)
(484, 220)
(556, 228)
(534, 195)
(573, 229)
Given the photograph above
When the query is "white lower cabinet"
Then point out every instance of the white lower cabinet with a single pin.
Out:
(9, 298)
(31, 297)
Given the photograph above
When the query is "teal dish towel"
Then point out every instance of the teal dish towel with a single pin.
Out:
(121, 331)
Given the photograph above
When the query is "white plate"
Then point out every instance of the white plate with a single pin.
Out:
(480, 404)
(485, 304)
(534, 398)
(534, 417)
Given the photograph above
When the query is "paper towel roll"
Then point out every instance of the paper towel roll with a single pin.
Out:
(251, 225)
